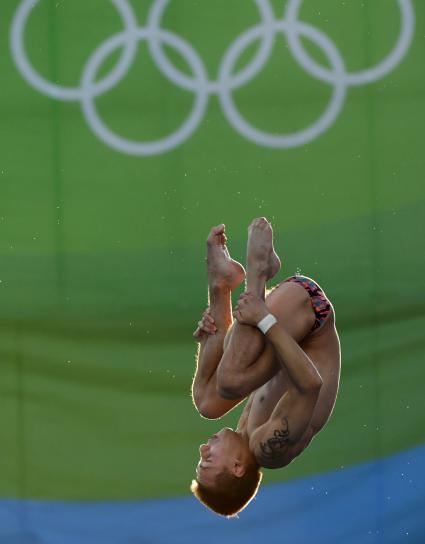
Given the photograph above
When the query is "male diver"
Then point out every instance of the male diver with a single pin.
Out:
(282, 353)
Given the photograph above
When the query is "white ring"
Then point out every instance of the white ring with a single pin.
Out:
(181, 79)
(303, 136)
(363, 76)
(123, 144)
(70, 93)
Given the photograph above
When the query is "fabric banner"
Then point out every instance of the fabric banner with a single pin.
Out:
(128, 129)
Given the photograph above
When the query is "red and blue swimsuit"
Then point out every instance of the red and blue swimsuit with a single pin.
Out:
(319, 302)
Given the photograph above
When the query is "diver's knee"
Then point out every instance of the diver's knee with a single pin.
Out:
(209, 411)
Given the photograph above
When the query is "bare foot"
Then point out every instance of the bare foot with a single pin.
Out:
(223, 271)
(261, 256)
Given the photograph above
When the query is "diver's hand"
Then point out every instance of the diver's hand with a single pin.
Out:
(206, 325)
(250, 309)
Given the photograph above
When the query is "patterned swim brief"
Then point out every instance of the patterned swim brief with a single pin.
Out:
(319, 302)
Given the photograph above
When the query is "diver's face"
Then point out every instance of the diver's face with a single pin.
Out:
(216, 455)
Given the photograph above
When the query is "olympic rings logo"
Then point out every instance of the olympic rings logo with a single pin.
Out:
(198, 83)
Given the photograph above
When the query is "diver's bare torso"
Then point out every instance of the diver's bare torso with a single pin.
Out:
(323, 348)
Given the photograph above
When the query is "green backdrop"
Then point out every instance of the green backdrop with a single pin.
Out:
(103, 276)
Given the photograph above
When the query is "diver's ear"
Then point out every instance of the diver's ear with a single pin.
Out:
(238, 469)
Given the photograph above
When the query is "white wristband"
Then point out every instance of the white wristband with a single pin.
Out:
(267, 322)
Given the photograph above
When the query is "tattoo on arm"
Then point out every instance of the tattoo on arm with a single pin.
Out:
(273, 447)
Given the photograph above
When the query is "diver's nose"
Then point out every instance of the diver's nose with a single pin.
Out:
(203, 448)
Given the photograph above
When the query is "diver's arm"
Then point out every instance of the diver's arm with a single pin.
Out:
(273, 442)
(299, 366)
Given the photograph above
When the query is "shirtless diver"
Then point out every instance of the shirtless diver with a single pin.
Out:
(282, 353)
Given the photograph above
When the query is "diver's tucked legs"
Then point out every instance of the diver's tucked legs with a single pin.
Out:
(228, 371)
(262, 262)
(224, 274)
(245, 344)
(238, 369)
